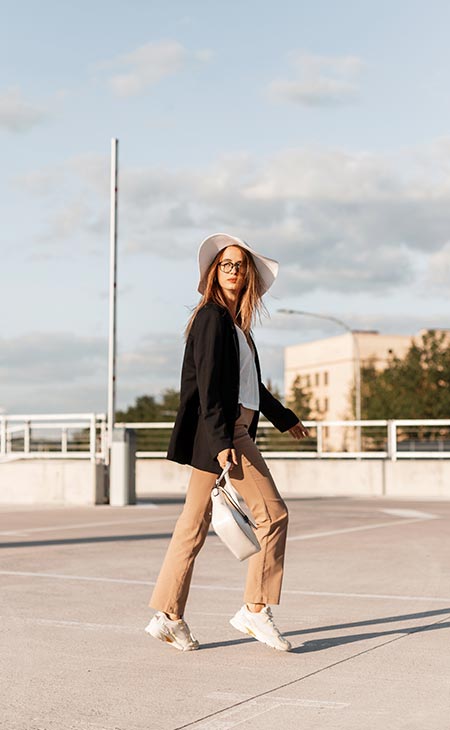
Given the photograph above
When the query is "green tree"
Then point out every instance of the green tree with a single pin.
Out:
(300, 400)
(148, 409)
(145, 409)
(271, 439)
(416, 386)
(273, 389)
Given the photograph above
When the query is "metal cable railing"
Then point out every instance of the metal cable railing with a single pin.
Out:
(83, 436)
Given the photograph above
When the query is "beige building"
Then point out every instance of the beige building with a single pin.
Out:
(326, 367)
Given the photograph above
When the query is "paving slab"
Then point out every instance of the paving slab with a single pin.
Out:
(366, 605)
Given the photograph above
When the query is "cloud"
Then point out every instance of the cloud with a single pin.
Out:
(147, 65)
(53, 372)
(319, 80)
(307, 328)
(44, 372)
(53, 357)
(438, 272)
(337, 220)
(18, 115)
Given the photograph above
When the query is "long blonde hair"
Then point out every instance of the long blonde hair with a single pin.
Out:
(249, 305)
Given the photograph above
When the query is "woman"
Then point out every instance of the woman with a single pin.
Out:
(220, 400)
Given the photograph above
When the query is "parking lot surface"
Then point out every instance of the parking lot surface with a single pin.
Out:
(366, 605)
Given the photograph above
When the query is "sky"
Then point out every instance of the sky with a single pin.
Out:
(318, 132)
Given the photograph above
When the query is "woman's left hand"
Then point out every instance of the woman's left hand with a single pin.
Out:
(299, 431)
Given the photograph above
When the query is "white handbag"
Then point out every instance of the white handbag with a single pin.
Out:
(231, 521)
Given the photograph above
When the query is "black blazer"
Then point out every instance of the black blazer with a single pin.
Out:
(209, 406)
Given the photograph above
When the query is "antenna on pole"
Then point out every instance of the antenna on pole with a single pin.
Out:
(112, 298)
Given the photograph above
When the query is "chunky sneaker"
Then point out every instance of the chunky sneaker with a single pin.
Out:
(175, 633)
(261, 626)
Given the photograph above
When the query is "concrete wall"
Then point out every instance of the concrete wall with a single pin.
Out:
(52, 481)
(80, 482)
(421, 478)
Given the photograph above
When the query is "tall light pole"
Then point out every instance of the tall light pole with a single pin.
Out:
(112, 297)
(356, 362)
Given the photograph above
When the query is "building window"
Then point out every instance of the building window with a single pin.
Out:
(317, 406)
(326, 404)
(325, 378)
(308, 381)
(317, 378)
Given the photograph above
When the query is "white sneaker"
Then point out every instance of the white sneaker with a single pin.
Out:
(261, 626)
(175, 633)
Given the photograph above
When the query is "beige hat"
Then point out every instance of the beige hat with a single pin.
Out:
(209, 248)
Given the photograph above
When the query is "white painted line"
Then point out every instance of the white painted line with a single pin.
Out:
(233, 589)
(62, 576)
(410, 513)
(381, 596)
(81, 525)
(227, 719)
(74, 624)
(240, 696)
(377, 525)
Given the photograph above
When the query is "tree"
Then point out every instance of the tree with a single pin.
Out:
(273, 389)
(300, 400)
(147, 409)
(271, 439)
(144, 409)
(417, 386)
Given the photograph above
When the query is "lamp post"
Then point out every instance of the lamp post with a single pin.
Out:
(356, 362)
(112, 298)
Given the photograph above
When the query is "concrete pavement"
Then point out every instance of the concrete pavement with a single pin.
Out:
(366, 604)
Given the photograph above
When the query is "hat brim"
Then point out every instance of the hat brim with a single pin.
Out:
(210, 247)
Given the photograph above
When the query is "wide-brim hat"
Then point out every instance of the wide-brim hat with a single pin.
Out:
(210, 247)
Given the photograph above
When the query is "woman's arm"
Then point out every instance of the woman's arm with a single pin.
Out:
(282, 418)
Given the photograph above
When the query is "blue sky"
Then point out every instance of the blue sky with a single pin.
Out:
(319, 132)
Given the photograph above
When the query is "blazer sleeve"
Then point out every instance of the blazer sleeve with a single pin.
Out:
(282, 418)
(208, 358)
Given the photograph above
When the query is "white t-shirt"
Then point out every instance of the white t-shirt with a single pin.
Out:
(248, 381)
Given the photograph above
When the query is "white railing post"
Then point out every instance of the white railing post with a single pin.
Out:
(392, 440)
(93, 436)
(26, 437)
(103, 439)
(64, 440)
(3, 435)
(319, 440)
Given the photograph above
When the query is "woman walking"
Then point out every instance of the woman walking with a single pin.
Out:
(220, 401)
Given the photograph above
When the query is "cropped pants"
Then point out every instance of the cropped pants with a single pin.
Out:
(253, 480)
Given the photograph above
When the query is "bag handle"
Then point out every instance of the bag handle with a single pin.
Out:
(230, 496)
(225, 470)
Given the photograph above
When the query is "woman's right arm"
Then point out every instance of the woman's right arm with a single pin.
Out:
(208, 340)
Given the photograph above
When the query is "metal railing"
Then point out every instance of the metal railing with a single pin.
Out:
(50, 436)
(380, 439)
(83, 436)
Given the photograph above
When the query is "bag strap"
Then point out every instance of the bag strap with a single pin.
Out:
(225, 470)
(230, 496)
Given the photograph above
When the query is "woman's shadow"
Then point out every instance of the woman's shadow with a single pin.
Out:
(321, 644)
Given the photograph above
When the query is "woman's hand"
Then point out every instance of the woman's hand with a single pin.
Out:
(299, 431)
(227, 455)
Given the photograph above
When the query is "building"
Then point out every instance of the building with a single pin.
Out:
(327, 367)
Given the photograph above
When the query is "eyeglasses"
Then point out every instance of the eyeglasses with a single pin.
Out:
(228, 266)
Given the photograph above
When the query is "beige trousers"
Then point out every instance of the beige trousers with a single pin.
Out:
(253, 480)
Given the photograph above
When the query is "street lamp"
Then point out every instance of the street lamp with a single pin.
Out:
(356, 361)
(112, 299)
